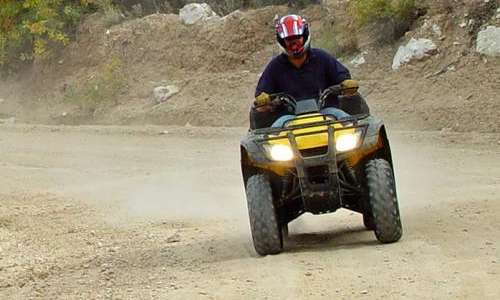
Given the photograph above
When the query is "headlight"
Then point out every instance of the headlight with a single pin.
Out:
(280, 152)
(347, 141)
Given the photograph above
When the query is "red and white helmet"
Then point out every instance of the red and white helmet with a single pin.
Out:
(289, 26)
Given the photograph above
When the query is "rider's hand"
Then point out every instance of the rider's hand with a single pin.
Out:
(263, 99)
(349, 87)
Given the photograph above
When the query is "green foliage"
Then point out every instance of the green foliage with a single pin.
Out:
(102, 89)
(369, 11)
(338, 42)
(34, 28)
(110, 11)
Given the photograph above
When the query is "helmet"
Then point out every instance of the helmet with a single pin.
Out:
(293, 26)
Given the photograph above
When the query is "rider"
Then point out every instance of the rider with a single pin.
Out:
(300, 71)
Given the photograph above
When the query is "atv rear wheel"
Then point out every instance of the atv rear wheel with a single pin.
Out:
(266, 231)
(383, 201)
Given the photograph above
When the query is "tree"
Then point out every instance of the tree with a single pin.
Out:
(31, 28)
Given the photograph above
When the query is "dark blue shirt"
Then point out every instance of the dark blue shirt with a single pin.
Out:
(319, 71)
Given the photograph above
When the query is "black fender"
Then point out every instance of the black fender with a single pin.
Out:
(377, 134)
(385, 152)
(251, 154)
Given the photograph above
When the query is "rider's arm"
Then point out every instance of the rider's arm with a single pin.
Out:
(336, 71)
(267, 81)
(262, 117)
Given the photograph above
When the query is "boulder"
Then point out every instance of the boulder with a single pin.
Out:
(196, 12)
(162, 93)
(414, 50)
(488, 41)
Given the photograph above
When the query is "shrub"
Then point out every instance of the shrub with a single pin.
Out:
(110, 12)
(34, 28)
(371, 11)
(335, 39)
(388, 19)
(102, 89)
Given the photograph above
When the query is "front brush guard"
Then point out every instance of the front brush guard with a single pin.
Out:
(324, 197)
(317, 198)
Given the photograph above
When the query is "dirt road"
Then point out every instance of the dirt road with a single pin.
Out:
(129, 213)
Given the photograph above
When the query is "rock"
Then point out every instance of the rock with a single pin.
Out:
(236, 15)
(437, 30)
(162, 93)
(414, 50)
(358, 60)
(488, 41)
(196, 12)
(2, 100)
(174, 239)
(446, 130)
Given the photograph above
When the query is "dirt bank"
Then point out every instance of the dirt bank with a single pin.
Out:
(216, 66)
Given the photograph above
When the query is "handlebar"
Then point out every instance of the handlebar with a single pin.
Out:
(280, 98)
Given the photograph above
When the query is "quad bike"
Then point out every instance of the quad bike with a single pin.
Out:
(317, 163)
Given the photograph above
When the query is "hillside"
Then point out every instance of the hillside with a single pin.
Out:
(107, 76)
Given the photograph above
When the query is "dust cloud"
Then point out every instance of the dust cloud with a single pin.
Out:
(186, 198)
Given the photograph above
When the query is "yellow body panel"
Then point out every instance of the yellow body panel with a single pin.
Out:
(313, 140)
(356, 156)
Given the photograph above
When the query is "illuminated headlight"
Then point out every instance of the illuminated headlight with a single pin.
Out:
(347, 141)
(280, 152)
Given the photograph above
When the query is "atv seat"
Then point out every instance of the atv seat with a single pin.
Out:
(354, 105)
(333, 112)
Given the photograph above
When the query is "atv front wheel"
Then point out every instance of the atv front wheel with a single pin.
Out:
(368, 220)
(266, 232)
(383, 201)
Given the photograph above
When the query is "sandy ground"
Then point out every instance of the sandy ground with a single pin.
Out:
(160, 213)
